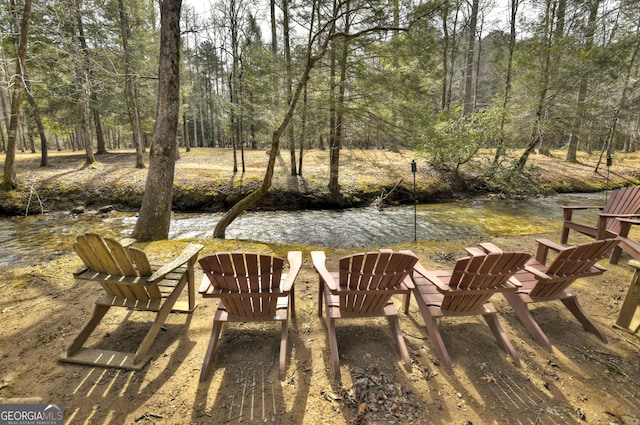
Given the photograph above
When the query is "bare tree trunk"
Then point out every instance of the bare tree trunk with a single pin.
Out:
(287, 54)
(334, 148)
(468, 73)
(501, 148)
(339, 130)
(537, 130)
(44, 157)
(130, 86)
(97, 122)
(9, 179)
(445, 53)
(575, 136)
(608, 145)
(155, 213)
(274, 39)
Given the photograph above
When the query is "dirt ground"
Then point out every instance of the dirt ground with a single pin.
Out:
(42, 309)
(580, 380)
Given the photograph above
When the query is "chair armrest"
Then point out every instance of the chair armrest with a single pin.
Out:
(189, 253)
(475, 252)
(318, 258)
(625, 225)
(126, 241)
(629, 219)
(514, 281)
(567, 211)
(408, 281)
(432, 278)
(581, 207)
(536, 272)
(554, 246)
(544, 245)
(295, 263)
(490, 248)
(609, 215)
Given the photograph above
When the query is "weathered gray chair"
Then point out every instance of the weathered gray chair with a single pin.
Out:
(130, 281)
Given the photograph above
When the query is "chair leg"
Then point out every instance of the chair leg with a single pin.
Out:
(407, 301)
(161, 317)
(565, 234)
(434, 333)
(576, 309)
(98, 313)
(320, 295)
(333, 347)
(283, 349)
(292, 301)
(400, 342)
(523, 313)
(501, 336)
(211, 349)
(615, 255)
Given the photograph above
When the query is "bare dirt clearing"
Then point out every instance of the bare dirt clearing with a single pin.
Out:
(581, 381)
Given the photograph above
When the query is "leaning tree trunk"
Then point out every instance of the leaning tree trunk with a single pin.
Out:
(155, 213)
(251, 199)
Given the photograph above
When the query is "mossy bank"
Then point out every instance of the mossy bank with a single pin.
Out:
(205, 180)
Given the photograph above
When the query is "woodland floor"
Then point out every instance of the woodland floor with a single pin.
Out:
(582, 380)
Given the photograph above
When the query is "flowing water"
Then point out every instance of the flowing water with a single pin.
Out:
(31, 239)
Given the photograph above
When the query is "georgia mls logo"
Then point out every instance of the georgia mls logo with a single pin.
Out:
(31, 414)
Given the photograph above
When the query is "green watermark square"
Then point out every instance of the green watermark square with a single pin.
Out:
(31, 414)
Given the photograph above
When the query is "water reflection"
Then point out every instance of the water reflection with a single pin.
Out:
(23, 239)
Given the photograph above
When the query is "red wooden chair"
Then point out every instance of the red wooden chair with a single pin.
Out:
(621, 203)
(363, 287)
(542, 282)
(251, 287)
(466, 290)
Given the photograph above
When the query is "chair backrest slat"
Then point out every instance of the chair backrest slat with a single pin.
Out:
(251, 280)
(94, 251)
(368, 280)
(571, 264)
(108, 257)
(122, 258)
(625, 200)
(476, 278)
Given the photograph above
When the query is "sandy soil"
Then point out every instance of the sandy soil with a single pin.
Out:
(580, 380)
(42, 309)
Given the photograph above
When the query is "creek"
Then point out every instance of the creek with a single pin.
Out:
(28, 240)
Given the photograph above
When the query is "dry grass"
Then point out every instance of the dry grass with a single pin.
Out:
(205, 180)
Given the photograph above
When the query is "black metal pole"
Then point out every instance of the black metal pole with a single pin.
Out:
(609, 161)
(414, 168)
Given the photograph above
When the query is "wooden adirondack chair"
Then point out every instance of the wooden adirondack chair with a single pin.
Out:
(363, 287)
(251, 287)
(541, 282)
(629, 316)
(621, 203)
(130, 281)
(466, 290)
(627, 245)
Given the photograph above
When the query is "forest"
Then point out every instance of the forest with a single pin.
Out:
(446, 78)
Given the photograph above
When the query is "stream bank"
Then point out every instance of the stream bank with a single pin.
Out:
(205, 182)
